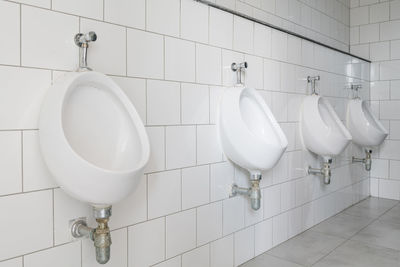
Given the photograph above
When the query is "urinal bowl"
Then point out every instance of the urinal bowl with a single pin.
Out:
(92, 139)
(367, 131)
(248, 131)
(322, 132)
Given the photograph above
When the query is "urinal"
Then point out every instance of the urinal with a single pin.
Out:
(250, 136)
(94, 144)
(321, 130)
(366, 129)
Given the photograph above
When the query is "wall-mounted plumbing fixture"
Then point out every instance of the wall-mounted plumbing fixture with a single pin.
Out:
(82, 40)
(313, 80)
(356, 88)
(325, 171)
(367, 161)
(100, 235)
(239, 68)
(253, 192)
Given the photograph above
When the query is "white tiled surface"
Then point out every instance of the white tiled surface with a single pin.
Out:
(175, 69)
(379, 34)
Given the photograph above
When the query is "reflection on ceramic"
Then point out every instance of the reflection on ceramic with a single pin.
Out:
(249, 134)
(365, 128)
(321, 129)
(92, 138)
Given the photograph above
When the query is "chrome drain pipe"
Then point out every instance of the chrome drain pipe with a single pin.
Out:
(100, 235)
(325, 171)
(367, 161)
(253, 192)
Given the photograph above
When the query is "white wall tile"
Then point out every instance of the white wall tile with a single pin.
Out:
(21, 95)
(194, 21)
(221, 252)
(389, 189)
(135, 89)
(243, 35)
(68, 255)
(180, 232)
(35, 52)
(221, 28)
(132, 209)
(195, 186)
(229, 78)
(394, 9)
(16, 262)
(208, 65)
(208, 147)
(254, 74)
(163, 16)
(379, 13)
(180, 60)
(110, 38)
(146, 243)
(163, 103)
(119, 251)
(244, 245)
(272, 75)
(199, 257)
(195, 103)
(262, 40)
(40, 3)
(126, 12)
(145, 54)
(294, 49)
(221, 179)
(36, 174)
(11, 162)
(359, 16)
(280, 228)
(233, 215)
(389, 110)
(180, 146)
(389, 30)
(209, 223)
(90, 9)
(279, 45)
(10, 37)
(379, 51)
(157, 149)
(263, 236)
(19, 239)
(369, 33)
(164, 193)
(272, 201)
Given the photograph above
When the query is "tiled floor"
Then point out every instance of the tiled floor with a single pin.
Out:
(364, 235)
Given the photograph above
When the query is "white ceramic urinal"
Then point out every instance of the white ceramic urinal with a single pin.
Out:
(321, 129)
(92, 139)
(367, 131)
(249, 133)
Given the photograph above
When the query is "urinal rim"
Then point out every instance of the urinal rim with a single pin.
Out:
(69, 82)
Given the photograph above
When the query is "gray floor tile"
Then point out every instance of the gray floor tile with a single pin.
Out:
(265, 260)
(360, 254)
(392, 215)
(381, 233)
(371, 207)
(342, 225)
(307, 248)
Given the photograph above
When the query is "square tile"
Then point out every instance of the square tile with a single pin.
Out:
(195, 186)
(180, 60)
(209, 223)
(198, 257)
(180, 146)
(180, 232)
(194, 21)
(221, 252)
(10, 37)
(90, 9)
(208, 65)
(163, 16)
(208, 146)
(221, 28)
(126, 12)
(195, 103)
(244, 245)
(243, 35)
(63, 256)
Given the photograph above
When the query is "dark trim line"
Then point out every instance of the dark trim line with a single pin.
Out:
(206, 2)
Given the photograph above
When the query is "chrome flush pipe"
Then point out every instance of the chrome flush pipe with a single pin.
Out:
(313, 80)
(100, 235)
(82, 41)
(325, 171)
(239, 68)
(367, 161)
(253, 192)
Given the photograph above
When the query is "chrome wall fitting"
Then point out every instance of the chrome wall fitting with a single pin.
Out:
(253, 192)
(313, 80)
(239, 68)
(82, 41)
(356, 88)
(367, 161)
(325, 171)
(100, 235)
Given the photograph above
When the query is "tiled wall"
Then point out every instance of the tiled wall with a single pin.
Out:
(375, 34)
(324, 20)
(172, 58)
